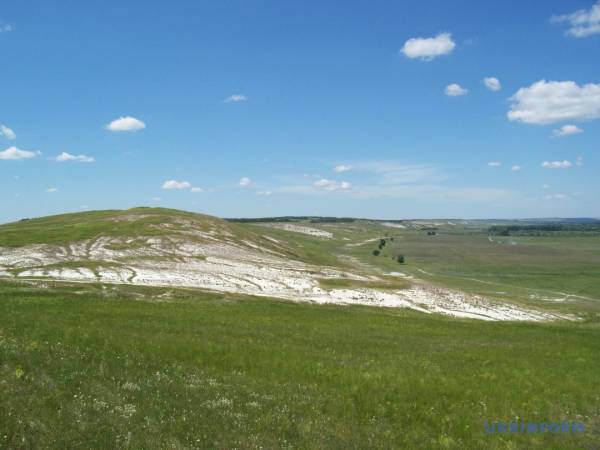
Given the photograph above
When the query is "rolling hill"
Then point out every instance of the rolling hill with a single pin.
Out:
(162, 247)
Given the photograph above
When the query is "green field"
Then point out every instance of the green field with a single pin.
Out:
(92, 367)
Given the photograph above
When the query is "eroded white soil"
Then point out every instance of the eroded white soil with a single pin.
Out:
(222, 264)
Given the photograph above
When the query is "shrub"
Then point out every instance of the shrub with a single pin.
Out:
(375, 252)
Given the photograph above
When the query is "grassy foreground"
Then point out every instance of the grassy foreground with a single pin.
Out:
(92, 367)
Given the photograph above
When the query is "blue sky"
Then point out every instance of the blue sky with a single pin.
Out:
(264, 108)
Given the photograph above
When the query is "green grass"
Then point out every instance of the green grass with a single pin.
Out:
(90, 366)
(523, 270)
(387, 283)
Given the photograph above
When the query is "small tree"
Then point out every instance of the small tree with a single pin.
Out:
(400, 259)
(381, 242)
(375, 252)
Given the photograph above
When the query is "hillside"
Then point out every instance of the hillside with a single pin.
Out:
(162, 247)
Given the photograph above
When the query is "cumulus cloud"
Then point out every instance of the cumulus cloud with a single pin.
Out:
(52, 190)
(427, 49)
(13, 154)
(126, 123)
(7, 132)
(492, 83)
(173, 184)
(330, 185)
(494, 163)
(342, 168)
(64, 157)
(236, 98)
(547, 102)
(515, 168)
(567, 130)
(244, 182)
(583, 22)
(455, 90)
(557, 164)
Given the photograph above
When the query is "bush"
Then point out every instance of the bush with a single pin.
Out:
(375, 252)
(400, 259)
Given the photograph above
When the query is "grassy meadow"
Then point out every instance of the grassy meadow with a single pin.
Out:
(89, 366)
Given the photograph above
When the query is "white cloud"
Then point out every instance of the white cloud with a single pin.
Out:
(515, 168)
(582, 22)
(7, 132)
(330, 185)
(428, 48)
(64, 157)
(492, 83)
(264, 193)
(236, 98)
(6, 28)
(245, 182)
(127, 123)
(342, 168)
(547, 102)
(556, 196)
(579, 161)
(494, 164)
(545, 186)
(156, 199)
(52, 190)
(557, 164)
(455, 90)
(13, 154)
(197, 189)
(566, 130)
(173, 184)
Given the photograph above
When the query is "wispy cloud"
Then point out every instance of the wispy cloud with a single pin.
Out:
(395, 180)
(7, 132)
(6, 28)
(583, 22)
(65, 157)
(556, 196)
(515, 168)
(340, 168)
(174, 184)
(427, 49)
(557, 164)
(126, 123)
(14, 153)
(331, 185)
(236, 98)
(494, 164)
(52, 190)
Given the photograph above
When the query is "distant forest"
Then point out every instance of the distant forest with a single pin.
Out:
(581, 229)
